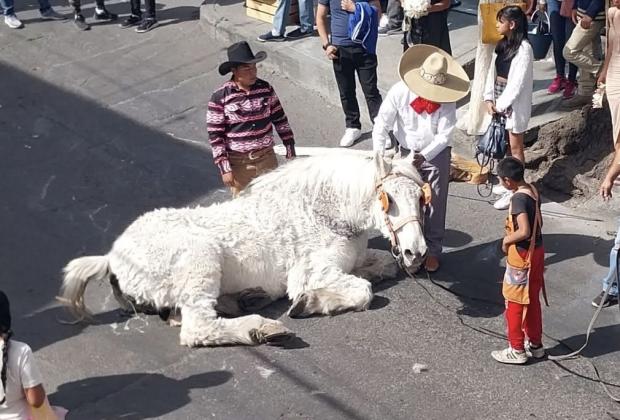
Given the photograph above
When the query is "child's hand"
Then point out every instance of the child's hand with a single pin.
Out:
(347, 5)
(504, 247)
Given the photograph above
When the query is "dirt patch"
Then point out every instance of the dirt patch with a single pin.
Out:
(571, 155)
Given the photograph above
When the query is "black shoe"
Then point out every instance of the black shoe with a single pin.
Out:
(132, 20)
(298, 34)
(80, 23)
(105, 15)
(269, 37)
(146, 25)
(610, 301)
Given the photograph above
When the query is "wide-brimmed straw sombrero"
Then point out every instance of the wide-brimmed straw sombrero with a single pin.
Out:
(433, 74)
(240, 53)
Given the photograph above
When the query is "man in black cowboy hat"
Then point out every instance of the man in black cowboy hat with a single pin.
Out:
(240, 121)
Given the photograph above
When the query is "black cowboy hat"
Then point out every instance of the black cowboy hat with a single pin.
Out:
(241, 53)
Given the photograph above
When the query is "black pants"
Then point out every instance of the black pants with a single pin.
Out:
(395, 14)
(351, 60)
(431, 29)
(149, 6)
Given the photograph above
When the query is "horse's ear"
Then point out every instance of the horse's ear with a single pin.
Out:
(383, 166)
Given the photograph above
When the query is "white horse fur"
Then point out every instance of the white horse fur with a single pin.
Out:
(299, 231)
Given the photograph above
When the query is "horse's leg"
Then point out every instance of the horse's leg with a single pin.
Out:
(201, 325)
(202, 328)
(248, 300)
(326, 291)
(376, 265)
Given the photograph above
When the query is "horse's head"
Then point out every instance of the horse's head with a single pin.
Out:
(401, 198)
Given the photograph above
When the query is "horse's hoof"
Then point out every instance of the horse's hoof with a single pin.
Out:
(274, 334)
(297, 309)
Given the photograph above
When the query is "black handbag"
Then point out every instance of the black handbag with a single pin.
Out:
(494, 142)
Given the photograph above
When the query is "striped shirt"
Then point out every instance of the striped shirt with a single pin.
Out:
(241, 121)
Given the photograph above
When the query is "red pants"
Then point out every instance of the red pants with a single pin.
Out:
(531, 326)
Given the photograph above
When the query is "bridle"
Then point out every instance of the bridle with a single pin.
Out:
(392, 228)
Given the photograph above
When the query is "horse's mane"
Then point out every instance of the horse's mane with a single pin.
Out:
(351, 176)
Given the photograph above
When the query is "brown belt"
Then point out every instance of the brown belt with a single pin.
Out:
(250, 156)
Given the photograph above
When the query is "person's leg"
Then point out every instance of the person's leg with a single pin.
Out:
(533, 315)
(8, 7)
(437, 173)
(578, 50)
(514, 324)
(569, 26)
(344, 70)
(306, 15)
(280, 18)
(516, 146)
(395, 14)
(366, 65)
(149, 8)
(613, 267)
(558, 34)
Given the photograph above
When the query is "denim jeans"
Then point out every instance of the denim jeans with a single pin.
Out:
(8, 8)
(561, 30)
(306, 16)
(613, 264)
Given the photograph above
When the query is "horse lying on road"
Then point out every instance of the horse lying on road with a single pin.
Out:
(299, 231)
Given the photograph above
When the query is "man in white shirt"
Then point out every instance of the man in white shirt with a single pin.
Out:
(421, 109)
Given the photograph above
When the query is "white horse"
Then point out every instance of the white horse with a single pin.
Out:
(300, 230)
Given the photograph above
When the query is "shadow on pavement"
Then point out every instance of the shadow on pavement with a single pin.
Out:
(475, 273)
(131, 396)
(603, 340)
(75, 174)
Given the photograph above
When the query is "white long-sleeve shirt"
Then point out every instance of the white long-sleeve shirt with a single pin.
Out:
(518, 91)
(423, 133)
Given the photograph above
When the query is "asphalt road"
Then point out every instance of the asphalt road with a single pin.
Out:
(99, 127)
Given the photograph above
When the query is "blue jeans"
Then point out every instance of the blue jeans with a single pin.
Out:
(561, 29)
(613, 261)
(8, 8)
(306, 16)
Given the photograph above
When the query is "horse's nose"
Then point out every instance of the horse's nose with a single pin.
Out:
(412, 258)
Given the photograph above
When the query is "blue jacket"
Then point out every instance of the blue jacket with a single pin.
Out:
(593, 8)
(364, 26)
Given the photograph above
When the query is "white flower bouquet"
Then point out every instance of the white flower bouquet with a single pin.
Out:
(415, 9)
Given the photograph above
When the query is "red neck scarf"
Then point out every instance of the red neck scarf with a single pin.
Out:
(421, 105)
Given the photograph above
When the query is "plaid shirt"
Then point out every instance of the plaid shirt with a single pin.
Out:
(243, 122)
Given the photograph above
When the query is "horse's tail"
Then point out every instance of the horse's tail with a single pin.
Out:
(77, 274)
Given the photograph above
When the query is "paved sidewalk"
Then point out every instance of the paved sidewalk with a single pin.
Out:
(303, 60)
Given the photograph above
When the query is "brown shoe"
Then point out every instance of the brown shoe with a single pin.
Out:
(431, 264)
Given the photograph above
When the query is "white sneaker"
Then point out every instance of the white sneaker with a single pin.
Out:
(504, 201)
(499, 189)
(12, 22)
(350, 135)
(510, 356)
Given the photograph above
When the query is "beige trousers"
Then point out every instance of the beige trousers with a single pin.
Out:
(583, 49)
(247, 166)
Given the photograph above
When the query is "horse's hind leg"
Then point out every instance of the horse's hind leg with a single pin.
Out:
(327, 291)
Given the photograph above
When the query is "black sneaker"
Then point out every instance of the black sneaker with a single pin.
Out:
(132, 20)
(269, 37)
(298, 34)
(105, 15)
(80, 23)
(146, 25)
(610, 301)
